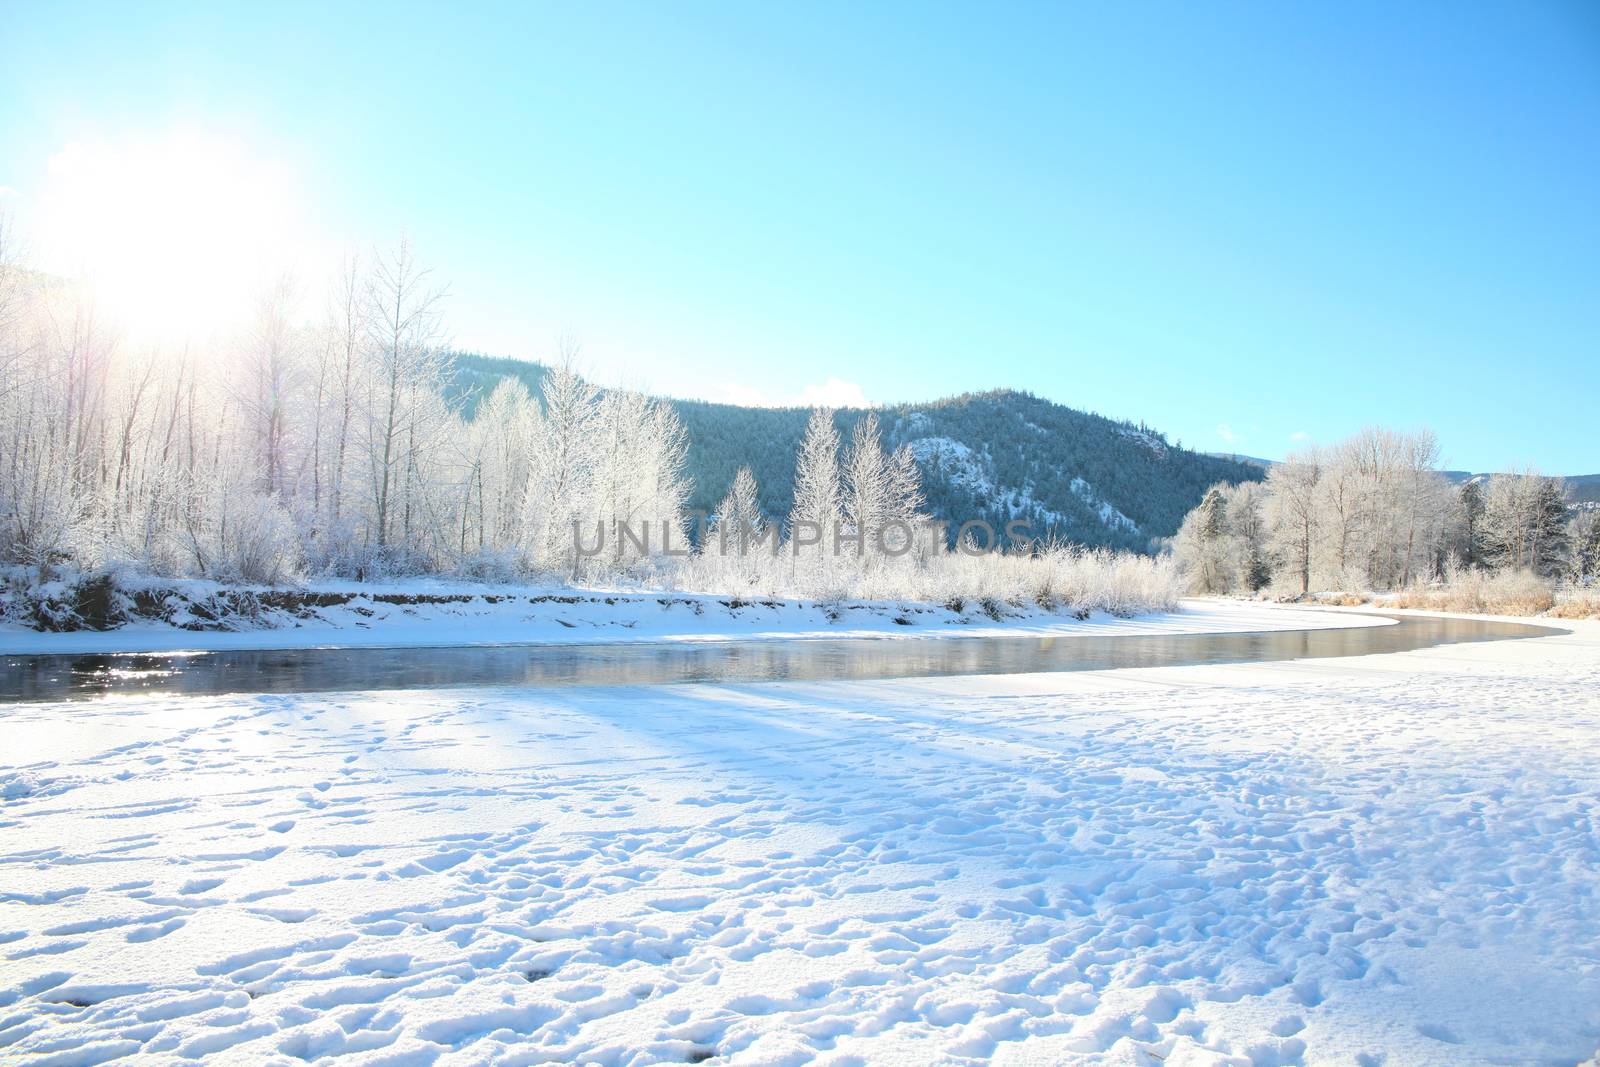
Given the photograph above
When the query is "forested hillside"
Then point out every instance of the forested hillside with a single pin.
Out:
(995, 456)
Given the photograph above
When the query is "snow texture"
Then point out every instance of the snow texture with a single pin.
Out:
(972, 471)
(1386, 860)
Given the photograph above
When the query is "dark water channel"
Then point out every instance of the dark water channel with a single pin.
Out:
(77, 677)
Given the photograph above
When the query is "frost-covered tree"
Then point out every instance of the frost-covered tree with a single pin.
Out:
(905, 503)
(637, 484)
(1252, 561)
(1384, 510)
(341, 379)
(271, 357)
(1222, 546)
(605, 478)
(738, 539)
(1525, 523)
(1348, 504)
(403, 407)
(868, 485)
(739, 521)
(1204, 545)
(1467, 525)
(560, 468)
(1374, 512)
(1584, 536)
(1423, 502)
(499, 446)
(1292, 513)
(817, 489)
(53, 488)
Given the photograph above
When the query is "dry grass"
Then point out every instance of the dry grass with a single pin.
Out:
(1476, 593)
(1577, 604)
(1065, 579)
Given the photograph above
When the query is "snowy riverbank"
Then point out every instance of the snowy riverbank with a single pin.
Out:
(1390, 859)
(491, 615)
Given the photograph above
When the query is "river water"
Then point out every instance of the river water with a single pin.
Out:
(77, 677)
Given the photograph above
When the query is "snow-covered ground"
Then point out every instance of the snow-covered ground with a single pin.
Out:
(1392, 859)
(564, 617)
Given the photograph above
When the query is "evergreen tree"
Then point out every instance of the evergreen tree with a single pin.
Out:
(1525, 523)
(1249, 529)
(1585, 539)
(1550, 528)
(1211, 531)
(1469, 510)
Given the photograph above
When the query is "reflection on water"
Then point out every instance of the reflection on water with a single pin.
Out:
(322, 670)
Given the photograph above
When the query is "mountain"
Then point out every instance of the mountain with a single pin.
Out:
(1584, 488)
(1581, 488)
(995, 456)
(1253, 460)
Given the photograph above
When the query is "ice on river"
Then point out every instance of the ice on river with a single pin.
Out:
(1391, 859)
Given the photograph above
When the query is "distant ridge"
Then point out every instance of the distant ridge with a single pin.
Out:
(1581, 488)
(1237, 458)
(996, 456)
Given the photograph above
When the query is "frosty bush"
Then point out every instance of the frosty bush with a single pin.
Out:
(1480, 592)
(1059, 578)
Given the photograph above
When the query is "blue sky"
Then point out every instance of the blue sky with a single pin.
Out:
(1247, 224)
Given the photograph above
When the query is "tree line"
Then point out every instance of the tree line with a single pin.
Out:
(1374, 512)
(332, 445)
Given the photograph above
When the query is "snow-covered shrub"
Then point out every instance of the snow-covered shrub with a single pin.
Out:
(494, 565)
(1482, 593)
(1064, 579)
(1577, 604)
(234, 532)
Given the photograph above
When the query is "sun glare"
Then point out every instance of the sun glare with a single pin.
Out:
(175, 236)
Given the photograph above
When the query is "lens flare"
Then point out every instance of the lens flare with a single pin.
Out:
(175, 236)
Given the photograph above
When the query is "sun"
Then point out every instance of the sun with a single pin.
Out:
(175, 236)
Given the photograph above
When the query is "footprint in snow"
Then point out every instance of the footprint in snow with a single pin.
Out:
(151, 933)
(1439, 1033)
(284, 915)
(688, 903)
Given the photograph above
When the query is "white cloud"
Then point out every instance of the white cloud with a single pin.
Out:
(1225, 432)
(743, 395)
(833, 393)
(1299, 435)
(7, 191)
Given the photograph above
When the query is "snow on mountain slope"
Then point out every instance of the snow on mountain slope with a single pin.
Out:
(994, 456)
(959, 466)
(1108, 514)
(954, 461)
